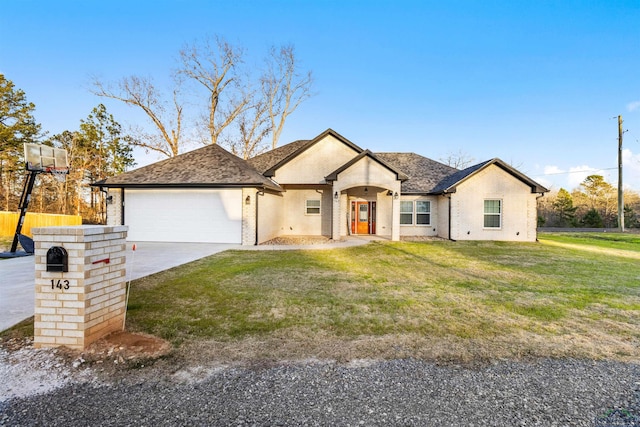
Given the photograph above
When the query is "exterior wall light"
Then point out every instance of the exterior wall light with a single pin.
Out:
(247, 201)
(336, 196)
(395, 196)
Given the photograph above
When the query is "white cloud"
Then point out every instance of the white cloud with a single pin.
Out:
(570, 179)
(551, 177)
(633, 106)
(552, 170)
(577, 174)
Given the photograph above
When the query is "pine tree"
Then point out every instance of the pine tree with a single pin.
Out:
(563, 206)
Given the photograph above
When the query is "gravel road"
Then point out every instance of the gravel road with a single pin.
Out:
(544, 392)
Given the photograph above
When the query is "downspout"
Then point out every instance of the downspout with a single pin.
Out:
(537, 197)
(122, 206)
(258, 193)
(448, 196)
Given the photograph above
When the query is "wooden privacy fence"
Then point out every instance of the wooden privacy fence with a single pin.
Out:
(9, 220)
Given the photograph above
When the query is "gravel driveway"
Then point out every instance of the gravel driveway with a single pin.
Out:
(542, 392)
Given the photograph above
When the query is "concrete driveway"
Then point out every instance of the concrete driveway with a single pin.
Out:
(17, 275)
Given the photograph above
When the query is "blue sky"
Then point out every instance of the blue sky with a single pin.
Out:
(538, 84)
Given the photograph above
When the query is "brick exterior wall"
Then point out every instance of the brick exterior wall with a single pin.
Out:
(249, 216)
(114, 209)
(78, 307)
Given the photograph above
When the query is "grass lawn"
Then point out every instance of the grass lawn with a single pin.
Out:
(570, 295)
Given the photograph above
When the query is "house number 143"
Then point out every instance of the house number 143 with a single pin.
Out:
(60, 284)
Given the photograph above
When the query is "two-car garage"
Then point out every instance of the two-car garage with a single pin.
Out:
(183, 215)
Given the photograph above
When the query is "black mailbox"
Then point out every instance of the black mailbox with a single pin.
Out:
(57, 259)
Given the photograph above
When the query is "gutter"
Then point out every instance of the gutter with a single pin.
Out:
(183, 185)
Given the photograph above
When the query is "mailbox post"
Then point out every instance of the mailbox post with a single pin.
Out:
(57, 259)
(80, 284)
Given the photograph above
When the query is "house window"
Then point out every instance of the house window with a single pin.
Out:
(492, 213)
(423, 212)
(406, 213)
(313, 207)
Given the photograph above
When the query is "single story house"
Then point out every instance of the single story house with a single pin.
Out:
(326, 186)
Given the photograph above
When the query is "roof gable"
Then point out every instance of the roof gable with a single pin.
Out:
(449, 183)
(366, 153)
(283, 155)
(209, 166)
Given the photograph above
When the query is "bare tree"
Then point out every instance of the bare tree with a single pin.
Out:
(252, 127)
(283, 88)
(242, 108)
(215, 64)
(141, 93)
(458, 160)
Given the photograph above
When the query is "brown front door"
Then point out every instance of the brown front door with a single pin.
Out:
(362, 212)
(363, 217)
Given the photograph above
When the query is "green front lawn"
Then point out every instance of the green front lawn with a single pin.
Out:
(568, 295)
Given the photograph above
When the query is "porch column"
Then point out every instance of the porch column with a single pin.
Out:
(395, 215)
(336, 200)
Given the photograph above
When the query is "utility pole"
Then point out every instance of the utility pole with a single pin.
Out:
(620, 193)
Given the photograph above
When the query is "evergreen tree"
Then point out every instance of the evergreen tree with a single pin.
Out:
(630, 217)
(110, 153)
(95, 152)
(17, 126)
(592, 219)
(563, 206)
(598, 194)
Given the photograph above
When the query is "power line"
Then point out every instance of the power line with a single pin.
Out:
(582, 171)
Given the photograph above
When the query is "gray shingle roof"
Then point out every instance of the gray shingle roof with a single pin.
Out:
(449, 183)
(213, 166)
(209, 166)
(266, 161)
(423, 173)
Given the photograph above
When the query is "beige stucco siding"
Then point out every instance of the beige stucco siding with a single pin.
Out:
(384, 211)
(421, 230)
(312, 165)
(518, 221)
(270, 208)
(296, 220)
(367, 172)
(443, 217)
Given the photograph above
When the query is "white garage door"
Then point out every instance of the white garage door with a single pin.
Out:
(184, 215)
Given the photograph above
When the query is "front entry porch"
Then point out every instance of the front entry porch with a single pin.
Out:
(365, 210)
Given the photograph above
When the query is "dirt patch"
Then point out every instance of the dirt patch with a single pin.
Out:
(298, 240)
(126, 346)
(421, 238)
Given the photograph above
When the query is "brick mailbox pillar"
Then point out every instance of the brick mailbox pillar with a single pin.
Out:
(80, 284)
